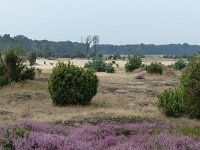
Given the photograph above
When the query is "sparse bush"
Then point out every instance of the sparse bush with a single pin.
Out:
(154, 68)
(70, 85)
(113, 62)
(180, 64)
(99, 65)
(171, 102)
(190, 80)
(133, 63)
(96, 64)
(32, 58)
(109, 68)
(13, 69)
(4, 78)
(28, 74)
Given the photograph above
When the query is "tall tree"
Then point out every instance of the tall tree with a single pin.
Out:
(95, 41)
(88, 42)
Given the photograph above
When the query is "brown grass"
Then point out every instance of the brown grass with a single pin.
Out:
(120, 95)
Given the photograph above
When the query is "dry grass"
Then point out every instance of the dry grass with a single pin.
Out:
(120, 95)
(81, 62)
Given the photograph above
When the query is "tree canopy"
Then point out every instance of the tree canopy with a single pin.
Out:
(45, 48)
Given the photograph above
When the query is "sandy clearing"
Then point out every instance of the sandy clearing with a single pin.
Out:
(46, 67)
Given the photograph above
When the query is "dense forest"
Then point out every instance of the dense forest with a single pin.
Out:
(46, 48)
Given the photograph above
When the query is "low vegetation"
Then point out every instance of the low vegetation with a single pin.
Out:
(99, 65)
(141, 136)
(190, 80)
(172, 103)
(123, 115)
(154, 68)
(13, 69)
(184, 99)
(179, 64)
(32, 58)
(109, 68)
(133, 63)
(70, 85)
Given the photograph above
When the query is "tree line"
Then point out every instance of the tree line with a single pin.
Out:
(91, 46)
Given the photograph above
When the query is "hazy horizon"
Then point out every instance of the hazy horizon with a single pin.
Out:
(115, 21)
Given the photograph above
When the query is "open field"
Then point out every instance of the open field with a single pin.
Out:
(120, 95)
(123, 114)
(81, 62)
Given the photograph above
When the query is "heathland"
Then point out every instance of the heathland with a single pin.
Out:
(122, 115)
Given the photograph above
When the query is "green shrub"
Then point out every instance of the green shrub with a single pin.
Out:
(12, 68)
(190, 80)
(32, 58)
(97, 64)
(4, 78)
(13, 64)
(188, 96)
(28, 74)
(133, 63)
(154, 68)
(109, 68)
(179, 64)
(171, 102)
(70, 85)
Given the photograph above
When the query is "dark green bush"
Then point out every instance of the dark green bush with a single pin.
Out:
(187, 97)
(70, 85)
(97, 64)
(154, 68)
(32, 58)
(133, 63)
(4, 78)
(172, 103)
(179, 64)
(109, 68)
(13, 64)
(12, 68)
(28, 74)
(190, 80)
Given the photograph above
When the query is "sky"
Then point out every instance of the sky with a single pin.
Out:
(115, 21)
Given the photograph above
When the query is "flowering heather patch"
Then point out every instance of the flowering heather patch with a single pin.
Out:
(29, 135)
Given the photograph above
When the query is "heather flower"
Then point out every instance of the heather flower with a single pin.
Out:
(32, 135)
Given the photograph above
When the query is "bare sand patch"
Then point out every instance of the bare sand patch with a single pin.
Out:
(49, 64)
